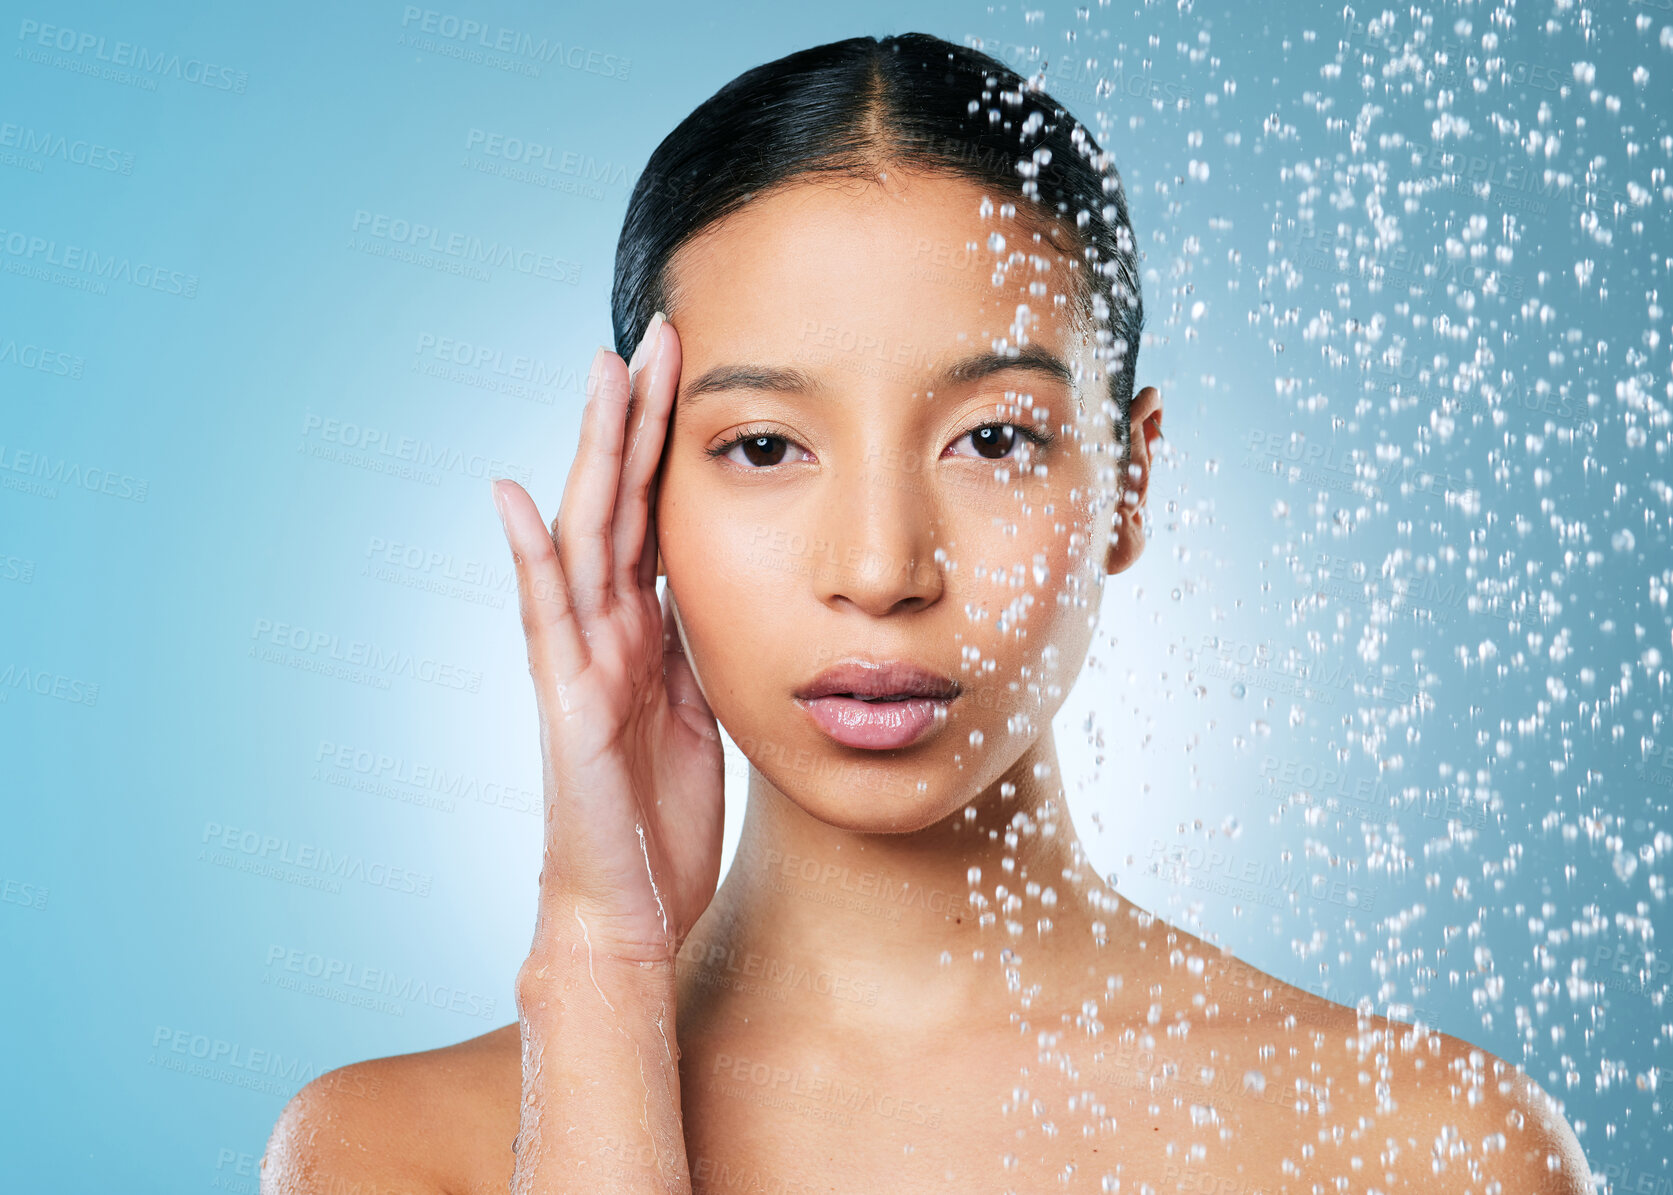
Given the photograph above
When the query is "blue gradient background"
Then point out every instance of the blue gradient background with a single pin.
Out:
(1249, 751)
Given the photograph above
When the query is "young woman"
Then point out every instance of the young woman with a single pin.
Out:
(879, 432)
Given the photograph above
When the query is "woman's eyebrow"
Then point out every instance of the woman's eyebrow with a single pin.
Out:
(749, 377)
(1032, 358)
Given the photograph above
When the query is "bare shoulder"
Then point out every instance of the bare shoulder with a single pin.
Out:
(1449, 1115)
(434, 1122)
(1488, 1125)
(1434, 1112)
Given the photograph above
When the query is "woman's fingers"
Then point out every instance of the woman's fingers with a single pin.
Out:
(654, 388)
(556, 648)
(589, 496)
(648, 551)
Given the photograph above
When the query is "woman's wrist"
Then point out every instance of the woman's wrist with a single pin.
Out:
(608, 934)
(601, 1083)
(578, 968)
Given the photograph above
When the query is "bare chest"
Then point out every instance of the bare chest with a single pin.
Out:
(770, 1113)
(760, 1119)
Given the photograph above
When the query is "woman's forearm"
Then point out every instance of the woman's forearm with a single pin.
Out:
(601, 1082)
(634, 780)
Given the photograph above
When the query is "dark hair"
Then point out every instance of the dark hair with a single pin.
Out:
(852, 106)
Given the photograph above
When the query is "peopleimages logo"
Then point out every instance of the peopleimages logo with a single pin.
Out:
(381, 451)
(44, 683)
(32, 255)
(309, 863)
(41, 143)
(50, 472)
(285, 963)
(1258, 881)
(548, 157)
(1087, 78)
(465, 37)
(361, 654)
(231, 1053)
(56, 362)
(379, 768)
(146, 62)
(477, 360)
(466, 250)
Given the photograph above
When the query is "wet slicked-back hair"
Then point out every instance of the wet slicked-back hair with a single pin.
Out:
(854, 107)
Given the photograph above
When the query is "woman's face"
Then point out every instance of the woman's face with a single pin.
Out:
(829, 493)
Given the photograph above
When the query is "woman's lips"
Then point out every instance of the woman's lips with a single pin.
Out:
(874, 725)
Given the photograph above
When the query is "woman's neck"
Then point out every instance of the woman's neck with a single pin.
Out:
(882, 921)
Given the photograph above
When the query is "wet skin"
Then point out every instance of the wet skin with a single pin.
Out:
(847, 1018)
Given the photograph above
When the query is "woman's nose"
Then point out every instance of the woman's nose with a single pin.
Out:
(883, 524)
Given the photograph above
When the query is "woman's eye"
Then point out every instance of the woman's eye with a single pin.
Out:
(994, 441)
(757, 450)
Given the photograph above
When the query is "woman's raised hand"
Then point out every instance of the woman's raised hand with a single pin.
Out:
(633, 765)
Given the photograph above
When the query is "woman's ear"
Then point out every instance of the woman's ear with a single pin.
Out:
(1144, 422)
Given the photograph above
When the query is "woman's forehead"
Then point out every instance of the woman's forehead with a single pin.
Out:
(912, 271)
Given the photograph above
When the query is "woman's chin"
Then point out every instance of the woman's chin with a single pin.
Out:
(843, 809)
(882, 796)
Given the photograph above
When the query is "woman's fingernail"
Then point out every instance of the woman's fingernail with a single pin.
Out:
(592, 374)
(499, 501)
(641, 353)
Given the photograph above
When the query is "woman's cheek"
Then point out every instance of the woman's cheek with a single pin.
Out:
(1025, 575)
(733, 586)
(1021, 544)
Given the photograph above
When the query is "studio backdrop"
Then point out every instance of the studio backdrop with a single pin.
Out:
(1384, 708)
